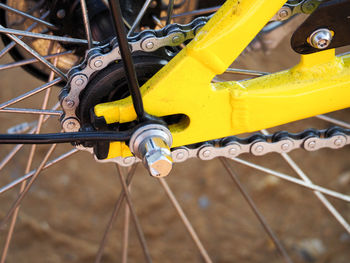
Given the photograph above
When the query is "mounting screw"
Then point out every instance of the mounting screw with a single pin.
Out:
(321, 38)
(69, 103)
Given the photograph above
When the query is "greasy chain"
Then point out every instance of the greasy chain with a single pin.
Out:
(230, 147)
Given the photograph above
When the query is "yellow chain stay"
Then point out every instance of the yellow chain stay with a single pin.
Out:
(320, 83)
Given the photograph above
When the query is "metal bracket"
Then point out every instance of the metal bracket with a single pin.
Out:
(333, 15)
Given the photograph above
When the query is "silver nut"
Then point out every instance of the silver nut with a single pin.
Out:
(321, 38)
(159, 162)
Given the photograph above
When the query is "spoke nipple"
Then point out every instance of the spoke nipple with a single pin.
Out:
(321, 38)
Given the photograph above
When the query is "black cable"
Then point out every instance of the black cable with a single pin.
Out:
(69, 137)
(127, 59)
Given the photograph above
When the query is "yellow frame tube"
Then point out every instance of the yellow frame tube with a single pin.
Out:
(319, 84)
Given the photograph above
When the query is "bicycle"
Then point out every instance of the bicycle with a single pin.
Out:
(92, 117)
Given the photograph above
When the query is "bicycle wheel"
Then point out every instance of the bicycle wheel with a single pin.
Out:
(65, 213)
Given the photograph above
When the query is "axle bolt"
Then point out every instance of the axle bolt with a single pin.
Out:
(321, 38)
(152, 143)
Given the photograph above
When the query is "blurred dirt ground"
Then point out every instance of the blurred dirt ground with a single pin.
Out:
(63, 217)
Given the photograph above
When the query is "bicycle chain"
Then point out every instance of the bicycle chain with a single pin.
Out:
(257, 144)
(100, 57)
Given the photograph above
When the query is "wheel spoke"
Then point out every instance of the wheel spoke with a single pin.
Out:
(139, 17)
(256, 211)
(32, 111)
(125, 245)
(319, 195)
(28, 167)
(44, 36)
(334, 121)
(13, 43)
(185, 220)
(30, 93)
(33, 18)
(114, 215)
(37, 55)
(296, 181)
(33, 172)
(19, 146)
(10, 155)
(27, 187)
(31, 61)
(170, 12)
(135, 219)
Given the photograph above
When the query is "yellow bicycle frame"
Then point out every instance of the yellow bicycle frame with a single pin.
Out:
(320, 83)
